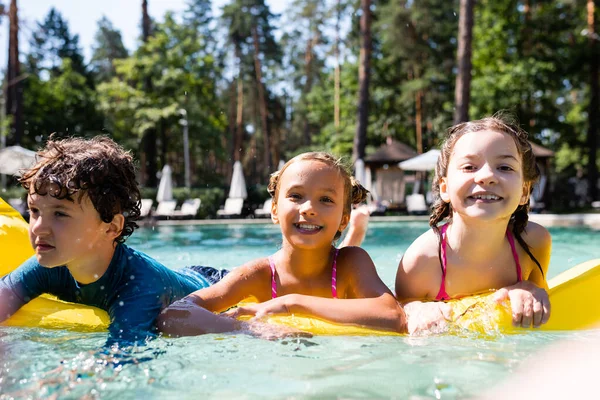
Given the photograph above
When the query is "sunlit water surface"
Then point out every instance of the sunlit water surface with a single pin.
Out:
(57, 364)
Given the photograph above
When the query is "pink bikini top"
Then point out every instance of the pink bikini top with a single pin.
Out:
(333, 276)
(442, 295)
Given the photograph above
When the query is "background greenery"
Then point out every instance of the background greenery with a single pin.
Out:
(259, 87)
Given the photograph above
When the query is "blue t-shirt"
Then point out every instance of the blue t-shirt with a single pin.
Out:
(133, 290)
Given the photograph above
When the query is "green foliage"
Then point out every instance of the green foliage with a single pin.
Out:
(51, 43)
(13, 192)
(108, 47)
(532, 60)
(182, 77)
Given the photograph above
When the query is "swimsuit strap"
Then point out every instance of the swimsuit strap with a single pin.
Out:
(334, 275)
(273, 282)
(442, 295)
(511, 240)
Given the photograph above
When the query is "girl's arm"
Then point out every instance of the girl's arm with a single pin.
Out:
(529, 299)
(364, 299)
(540, 243)
(193, 315)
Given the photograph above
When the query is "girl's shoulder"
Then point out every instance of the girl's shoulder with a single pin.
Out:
(422, 253)
(255, 270)
(536, 236)
(351, 256)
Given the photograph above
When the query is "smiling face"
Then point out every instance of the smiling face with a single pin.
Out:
(485, 176)
(65, 232)
(310, 204)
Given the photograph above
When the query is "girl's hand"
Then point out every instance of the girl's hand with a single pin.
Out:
(530, 304)
(272, 331)
(427, 317)
(274, 306)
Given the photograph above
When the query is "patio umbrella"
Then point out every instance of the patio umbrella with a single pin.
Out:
(165, 186)
(14, 159)
(422, 162)
(238, 183)
(369, 185)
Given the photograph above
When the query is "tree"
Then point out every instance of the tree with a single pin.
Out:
(364, 75)
(593, 112)
(58, 94)
(251, 34)
(306, 52)
(14, 94)
(149, 137)
(51, 43)
(463, 77)
(181, 73)
(108, 47)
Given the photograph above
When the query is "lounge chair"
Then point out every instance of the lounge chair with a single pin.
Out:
(232, 208)
(146, 208)
(265, 211)
(188, 209)
(165, 209)
(415, 204)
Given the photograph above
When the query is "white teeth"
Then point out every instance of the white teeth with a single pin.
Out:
(309, 227)
(486, 197)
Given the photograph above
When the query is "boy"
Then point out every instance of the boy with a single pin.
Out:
(84, 201)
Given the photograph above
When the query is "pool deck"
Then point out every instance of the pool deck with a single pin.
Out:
(548, 220)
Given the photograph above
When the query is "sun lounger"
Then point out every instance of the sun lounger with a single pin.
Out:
(233, 208)
(265, 211)
(415, 204)
(188, 209)
(165, 209)
(146, 208)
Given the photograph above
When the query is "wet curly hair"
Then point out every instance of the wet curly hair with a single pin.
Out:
(501, 122)
(98, 167)
(354, 192)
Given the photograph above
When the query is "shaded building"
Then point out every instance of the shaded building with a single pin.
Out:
(389, 181)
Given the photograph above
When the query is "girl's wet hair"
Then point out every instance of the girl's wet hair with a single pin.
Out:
(98, 168)
(531, 172)
(354, 192)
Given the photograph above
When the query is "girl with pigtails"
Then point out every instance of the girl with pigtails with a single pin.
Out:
(312, 198)
(483, 180)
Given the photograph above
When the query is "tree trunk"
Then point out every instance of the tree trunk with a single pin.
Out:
(262, 102)
(239, 116)
(150, 167)
(592, 134)
(364, 72)
(336, 96)
(462, 91)
(419, 120)
(308, 58)
(14, 91)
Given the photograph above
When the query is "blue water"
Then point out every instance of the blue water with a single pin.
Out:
(37, 363)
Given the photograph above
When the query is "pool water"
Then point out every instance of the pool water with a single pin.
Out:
(37, 363)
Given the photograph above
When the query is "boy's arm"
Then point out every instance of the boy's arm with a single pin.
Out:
(364, 299)
(193, 315)
(21, 286)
